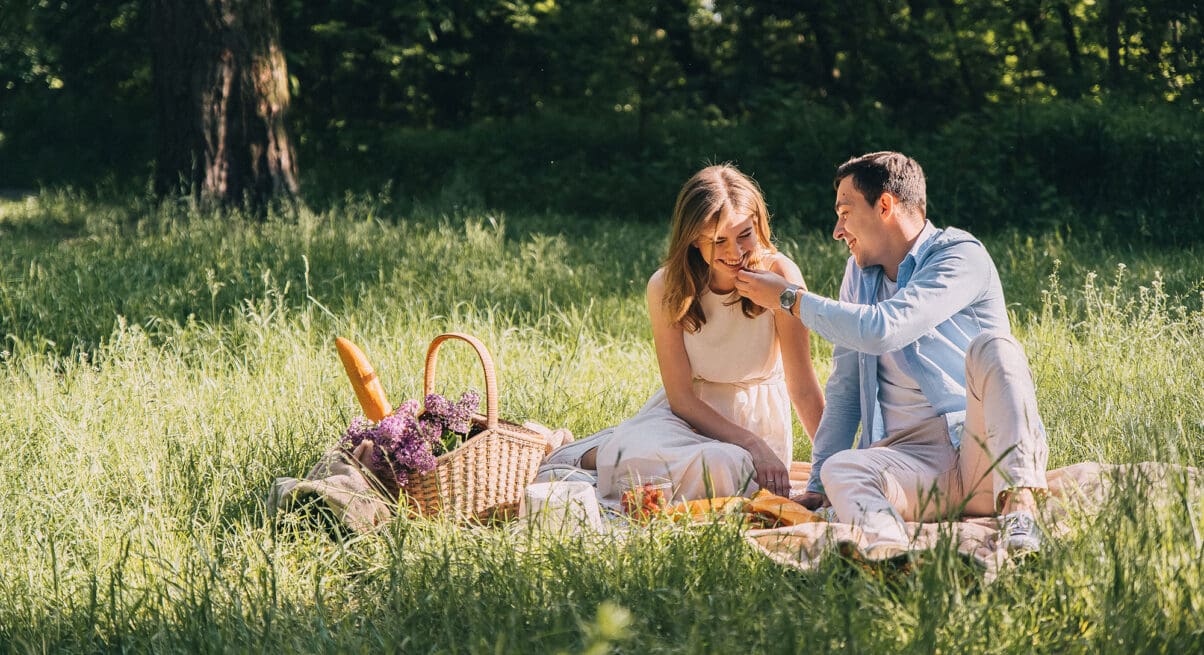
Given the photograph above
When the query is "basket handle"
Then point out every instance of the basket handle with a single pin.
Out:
(432, 356)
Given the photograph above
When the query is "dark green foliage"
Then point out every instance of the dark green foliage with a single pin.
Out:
(74, 92)
(1107, 167)
(1023, 114)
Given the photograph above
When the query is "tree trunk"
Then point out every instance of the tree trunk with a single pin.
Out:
(826, 78)
(453, 87)
(1072, 42)
(750, 56)
(1112, 15)
(963, 67)
(221, 90)
(673, 17)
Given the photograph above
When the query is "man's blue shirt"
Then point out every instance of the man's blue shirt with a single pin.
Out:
(949, 293)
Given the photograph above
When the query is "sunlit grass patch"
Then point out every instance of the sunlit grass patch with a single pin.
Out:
(160, 368)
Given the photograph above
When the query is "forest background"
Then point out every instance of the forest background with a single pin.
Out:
(1032, 114)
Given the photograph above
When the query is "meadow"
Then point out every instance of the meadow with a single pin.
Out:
(160, 367)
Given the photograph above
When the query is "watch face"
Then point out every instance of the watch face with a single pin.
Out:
(787, 298)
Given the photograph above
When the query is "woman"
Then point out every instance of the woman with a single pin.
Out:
(731, 370)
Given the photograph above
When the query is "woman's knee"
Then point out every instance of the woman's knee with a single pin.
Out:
(727, 469)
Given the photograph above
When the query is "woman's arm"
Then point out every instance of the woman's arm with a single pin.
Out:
(795, 341)
(677, 376)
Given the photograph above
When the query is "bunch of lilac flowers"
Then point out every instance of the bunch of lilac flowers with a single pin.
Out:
(454, 419)
(407, 441)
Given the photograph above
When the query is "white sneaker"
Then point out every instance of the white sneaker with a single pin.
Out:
(1020, 533)
(826, 514)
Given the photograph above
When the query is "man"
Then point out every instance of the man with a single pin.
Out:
(923, 362)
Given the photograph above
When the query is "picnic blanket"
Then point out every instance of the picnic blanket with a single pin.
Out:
(1079, 488)
(338, 483)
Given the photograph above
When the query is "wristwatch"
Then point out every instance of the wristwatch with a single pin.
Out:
(789, 297)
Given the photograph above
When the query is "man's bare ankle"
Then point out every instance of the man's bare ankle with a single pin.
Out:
(590, 459)
(1020, 499)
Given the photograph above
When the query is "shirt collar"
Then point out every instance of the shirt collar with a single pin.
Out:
(908, 265)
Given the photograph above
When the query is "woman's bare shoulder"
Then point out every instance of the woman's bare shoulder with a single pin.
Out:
(656, 296)
(656, 283)
(782, 265)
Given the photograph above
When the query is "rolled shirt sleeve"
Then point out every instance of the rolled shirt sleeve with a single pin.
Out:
(938, 290)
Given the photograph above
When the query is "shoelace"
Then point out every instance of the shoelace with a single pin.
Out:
(1020, 525)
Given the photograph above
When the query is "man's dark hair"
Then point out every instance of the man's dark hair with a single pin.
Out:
(883, 171)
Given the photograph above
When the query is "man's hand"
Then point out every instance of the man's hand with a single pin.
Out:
(762, 287)
(812, 500)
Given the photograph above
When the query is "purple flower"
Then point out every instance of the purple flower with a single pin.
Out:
(460, 420)
(406, 442)
(438, 407)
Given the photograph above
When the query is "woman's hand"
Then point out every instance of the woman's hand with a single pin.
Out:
(772, 475)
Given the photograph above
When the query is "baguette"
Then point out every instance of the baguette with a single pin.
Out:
(363, 379)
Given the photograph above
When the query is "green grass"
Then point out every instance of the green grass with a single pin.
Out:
(160, 368)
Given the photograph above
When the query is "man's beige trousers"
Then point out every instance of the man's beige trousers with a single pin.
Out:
(917, 475)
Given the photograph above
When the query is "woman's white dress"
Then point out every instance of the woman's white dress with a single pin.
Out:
(737, 368)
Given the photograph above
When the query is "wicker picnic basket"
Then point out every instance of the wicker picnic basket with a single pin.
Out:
(487, 474)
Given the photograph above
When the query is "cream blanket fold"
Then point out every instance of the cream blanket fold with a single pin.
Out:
(1079, 488)
(339, 482)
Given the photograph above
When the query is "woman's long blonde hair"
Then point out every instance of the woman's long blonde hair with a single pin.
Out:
(713, 191)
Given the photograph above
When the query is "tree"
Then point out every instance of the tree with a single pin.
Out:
(1113, 13)
(221, 93)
